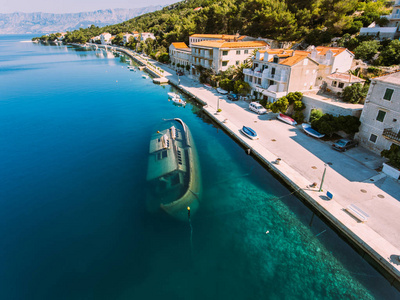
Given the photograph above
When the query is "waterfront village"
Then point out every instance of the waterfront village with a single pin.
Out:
(340, 96)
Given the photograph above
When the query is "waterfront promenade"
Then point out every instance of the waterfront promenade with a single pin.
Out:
(351, 176)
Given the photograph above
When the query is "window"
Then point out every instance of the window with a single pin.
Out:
(237, 52)
(388, 94)
(259, 80)
(276, 59)
(224, 52)
(305, 62)
(237, 62)
(224, 63)
(341, 85)
(246, 51)
(373, 138)
(381, 115)
(334, 83)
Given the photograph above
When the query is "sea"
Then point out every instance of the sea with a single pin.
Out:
(75, 126)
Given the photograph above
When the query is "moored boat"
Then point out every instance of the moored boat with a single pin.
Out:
(145, 76)
(176, 99)
(307, 129)
(173, 172)
(250, 133)
(286, 119)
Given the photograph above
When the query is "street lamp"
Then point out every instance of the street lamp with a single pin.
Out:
(322, 180)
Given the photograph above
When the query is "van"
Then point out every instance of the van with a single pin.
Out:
(257, 107)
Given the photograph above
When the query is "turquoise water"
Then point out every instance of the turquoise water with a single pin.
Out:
(74, 136)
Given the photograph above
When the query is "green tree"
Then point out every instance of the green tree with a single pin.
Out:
(241, 87)
(298, 116)
(393, 154)
(118, 39)
(355, 93)
(293, 97)
(391, 54)
(280, 105)
(298, 105)
(227, 84)
(367, 50)
(316, 114)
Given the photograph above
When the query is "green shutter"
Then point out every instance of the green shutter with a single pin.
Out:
(381, 116)
(388, 94)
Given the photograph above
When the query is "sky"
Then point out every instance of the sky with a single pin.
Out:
(70, 6)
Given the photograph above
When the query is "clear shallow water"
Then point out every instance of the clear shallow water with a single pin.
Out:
(74, 134)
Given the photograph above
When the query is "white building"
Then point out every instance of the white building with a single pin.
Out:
(180, 53)
(277, 72)
(105, 38)
(219, 55)
(146, 35)
(391, 31)
(331, 59)
(336, 82)
(380, 119)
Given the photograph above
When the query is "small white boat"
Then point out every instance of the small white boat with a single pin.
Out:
(307, 129)
(145, 76)
(206, 85)
(176, 99)
(286, 119)
(222, 91)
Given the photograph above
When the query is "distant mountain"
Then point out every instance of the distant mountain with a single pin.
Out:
(19, 23)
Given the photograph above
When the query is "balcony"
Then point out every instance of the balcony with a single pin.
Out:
(391, 135)
(393, 17)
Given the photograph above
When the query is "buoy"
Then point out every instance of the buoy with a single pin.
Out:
(188, 208)
(158, 131)
(267, 232)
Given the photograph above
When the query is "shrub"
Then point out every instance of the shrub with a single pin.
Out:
(355, 93)
(326, 124)
(298, 116)
(316, 114)
(298, 105)
(393, 154)
(280, 105)
(349, 124)
(187, 67)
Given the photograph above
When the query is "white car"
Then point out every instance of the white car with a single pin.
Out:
(222, 91)
(257, 107)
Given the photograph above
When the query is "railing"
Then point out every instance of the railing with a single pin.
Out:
(390, 134)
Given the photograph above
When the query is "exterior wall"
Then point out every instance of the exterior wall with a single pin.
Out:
(126, 38)
(303, 76)
(179, 56)
(369, 123)
(214, 57)
(342, 62)
(328, 107)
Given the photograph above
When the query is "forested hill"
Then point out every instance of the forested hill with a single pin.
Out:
(278, 19)
(316, 21)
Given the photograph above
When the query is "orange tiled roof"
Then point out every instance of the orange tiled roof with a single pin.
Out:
(224, 44)
(279, 51)
(323, 50)
(180, 45)
(292, 60)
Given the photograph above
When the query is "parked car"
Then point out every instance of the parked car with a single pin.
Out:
(257, 107)
(180, 73)
(343, 144)
(222, 91)
(233, 97)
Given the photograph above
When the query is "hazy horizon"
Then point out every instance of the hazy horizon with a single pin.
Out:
(74, 6)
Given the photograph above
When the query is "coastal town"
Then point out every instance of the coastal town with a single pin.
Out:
(327, 122)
